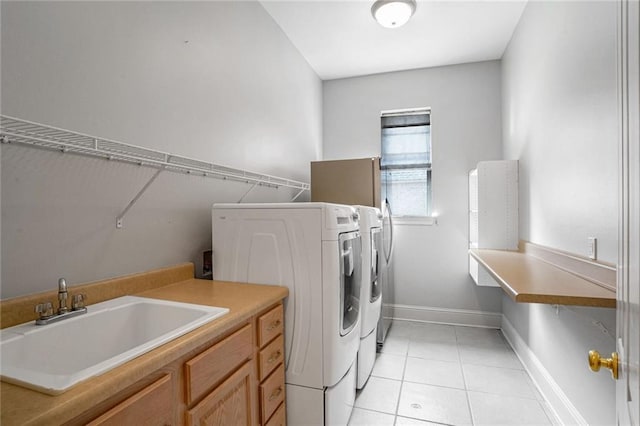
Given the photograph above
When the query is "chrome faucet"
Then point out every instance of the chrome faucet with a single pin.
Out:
(62, 296)
(45, 309)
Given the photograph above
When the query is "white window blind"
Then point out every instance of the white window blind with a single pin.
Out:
(406, 162)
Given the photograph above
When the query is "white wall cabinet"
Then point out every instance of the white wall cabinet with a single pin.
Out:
(493, 212)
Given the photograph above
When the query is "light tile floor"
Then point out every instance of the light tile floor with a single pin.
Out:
(432, 374)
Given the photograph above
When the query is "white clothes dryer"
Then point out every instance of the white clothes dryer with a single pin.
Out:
(386, 276)
(370, 300)
(314, 249)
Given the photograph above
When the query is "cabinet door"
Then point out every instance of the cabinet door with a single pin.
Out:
(272, 393)
(228, 404)
(153, 405)
(207, 369)
(270, 325)
(278, 418)
(270, 357)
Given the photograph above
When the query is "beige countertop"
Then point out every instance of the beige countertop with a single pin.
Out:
(22, 406)
(527, 279)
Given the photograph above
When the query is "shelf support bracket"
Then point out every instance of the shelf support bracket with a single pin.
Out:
(136, 198)
(298, 194)
(247, 193)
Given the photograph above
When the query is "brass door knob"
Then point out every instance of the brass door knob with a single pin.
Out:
(595, 362)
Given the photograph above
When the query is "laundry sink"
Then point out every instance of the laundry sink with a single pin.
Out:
(52, 358)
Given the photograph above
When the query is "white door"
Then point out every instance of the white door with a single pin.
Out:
(628, 310)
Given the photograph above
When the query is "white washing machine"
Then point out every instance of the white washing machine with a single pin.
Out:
(314, 249)
(370, 300)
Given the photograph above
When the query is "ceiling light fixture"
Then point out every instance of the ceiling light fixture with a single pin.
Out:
(393, 13)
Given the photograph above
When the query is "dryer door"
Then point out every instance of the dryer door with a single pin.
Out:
(376, 263)
(350, 276)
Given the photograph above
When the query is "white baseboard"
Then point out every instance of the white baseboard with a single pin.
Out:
(447, 316)
(560, 405)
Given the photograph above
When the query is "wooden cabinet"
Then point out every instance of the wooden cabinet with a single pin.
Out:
(228, 391)
(278, 418)
(228, 404)
(271, 393)
(270, 325)
(238, 379)
(253, 389)
(207, 369)
(270, 357)
(152, 405)
(271, 366)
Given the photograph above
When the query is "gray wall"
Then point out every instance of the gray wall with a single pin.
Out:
(559, 120)
(430, 262)
(216, 81)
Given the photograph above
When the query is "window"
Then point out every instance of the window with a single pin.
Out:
(406, 162)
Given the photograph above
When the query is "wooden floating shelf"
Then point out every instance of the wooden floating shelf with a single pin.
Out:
(527, 279)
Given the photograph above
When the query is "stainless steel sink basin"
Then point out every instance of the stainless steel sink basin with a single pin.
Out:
(54, 357)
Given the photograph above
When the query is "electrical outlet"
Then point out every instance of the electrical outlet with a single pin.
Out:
(593, 248)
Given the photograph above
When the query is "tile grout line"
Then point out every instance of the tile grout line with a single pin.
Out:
(403, 381)
(464, 340)
(404, 368)
(406, 361)
(464, 380)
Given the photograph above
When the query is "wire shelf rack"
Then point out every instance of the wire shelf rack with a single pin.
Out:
(18, 131)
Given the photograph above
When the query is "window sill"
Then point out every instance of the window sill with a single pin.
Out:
(415, 220)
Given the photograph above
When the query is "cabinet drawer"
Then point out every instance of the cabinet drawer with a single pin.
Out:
(228, 404)
(270, 325)
(204, 371)
(278, 418)
(153, 405)
(270, 357)
(272, 393)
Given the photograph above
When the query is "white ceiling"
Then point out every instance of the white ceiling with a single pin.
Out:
(341, 38)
